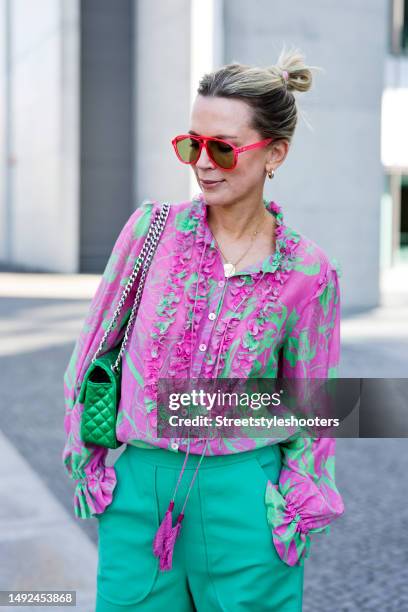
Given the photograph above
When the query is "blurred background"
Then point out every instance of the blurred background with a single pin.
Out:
(91, 94)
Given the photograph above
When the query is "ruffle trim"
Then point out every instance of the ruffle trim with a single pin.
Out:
(94, 492)
(197, 298)
(268, 294)
(293, 518)
(167, 310)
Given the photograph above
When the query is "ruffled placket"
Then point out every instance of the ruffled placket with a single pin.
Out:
(267, 296)
(196, 298)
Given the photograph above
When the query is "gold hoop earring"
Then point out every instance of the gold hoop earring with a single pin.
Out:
(271, 174)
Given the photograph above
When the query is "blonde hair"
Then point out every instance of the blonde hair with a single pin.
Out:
(265, 89)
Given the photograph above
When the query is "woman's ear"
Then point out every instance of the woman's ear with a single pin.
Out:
(277, 153)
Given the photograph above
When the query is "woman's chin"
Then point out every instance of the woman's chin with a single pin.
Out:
(214, 198)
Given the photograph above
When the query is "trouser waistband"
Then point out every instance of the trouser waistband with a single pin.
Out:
(166, 458)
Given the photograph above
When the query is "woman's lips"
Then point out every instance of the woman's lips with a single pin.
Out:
(210, 183)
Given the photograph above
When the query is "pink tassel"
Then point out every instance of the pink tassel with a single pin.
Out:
(163, 532)
(166, 558)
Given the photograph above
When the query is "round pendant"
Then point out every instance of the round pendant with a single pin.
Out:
(229, 269)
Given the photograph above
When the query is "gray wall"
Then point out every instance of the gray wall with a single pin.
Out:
(331, 182)
(106, 127)
(39, 135)
(162, 97)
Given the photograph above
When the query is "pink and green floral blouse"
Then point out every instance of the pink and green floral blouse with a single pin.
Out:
(278, 317)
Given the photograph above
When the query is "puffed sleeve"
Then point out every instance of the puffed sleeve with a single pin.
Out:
(306, 499)
(84, 462)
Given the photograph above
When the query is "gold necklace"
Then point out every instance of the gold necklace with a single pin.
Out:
(229, 266)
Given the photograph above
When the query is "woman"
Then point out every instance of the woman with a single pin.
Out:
(232, 292)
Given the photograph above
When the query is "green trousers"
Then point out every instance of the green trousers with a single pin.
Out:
(224, 558)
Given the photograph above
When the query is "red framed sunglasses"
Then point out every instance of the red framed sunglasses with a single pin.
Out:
(224, 154)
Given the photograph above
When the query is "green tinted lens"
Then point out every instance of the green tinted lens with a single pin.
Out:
(188, 149)
(221, 153)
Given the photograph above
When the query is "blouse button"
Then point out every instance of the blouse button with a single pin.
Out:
(212, 316)
(202, 347)
(221, 283)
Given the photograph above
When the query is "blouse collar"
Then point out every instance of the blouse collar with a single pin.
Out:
(270, 263)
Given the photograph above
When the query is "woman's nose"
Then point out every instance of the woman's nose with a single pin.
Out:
(204, 161)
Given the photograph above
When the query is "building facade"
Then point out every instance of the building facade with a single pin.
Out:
(94, 90)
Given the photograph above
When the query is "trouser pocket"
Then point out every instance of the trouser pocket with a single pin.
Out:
(269, 462)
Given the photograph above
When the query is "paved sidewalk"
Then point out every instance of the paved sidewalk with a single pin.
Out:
(47, 285)
(41, 547)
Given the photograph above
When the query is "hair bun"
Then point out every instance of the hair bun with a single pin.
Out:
(294, 71)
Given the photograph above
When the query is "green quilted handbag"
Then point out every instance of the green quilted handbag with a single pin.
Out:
(101, 387)
(100, 394)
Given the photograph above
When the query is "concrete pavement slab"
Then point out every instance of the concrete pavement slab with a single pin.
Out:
(41, 547)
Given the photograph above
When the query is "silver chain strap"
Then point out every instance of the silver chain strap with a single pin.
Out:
(145, 257)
